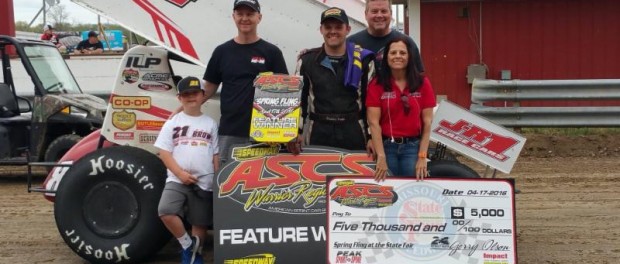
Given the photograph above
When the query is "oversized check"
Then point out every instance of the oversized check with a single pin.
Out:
(432, 221)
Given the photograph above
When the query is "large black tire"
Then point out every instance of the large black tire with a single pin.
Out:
(106, 206)
(450, 169)
(59, 146)
(447, 155)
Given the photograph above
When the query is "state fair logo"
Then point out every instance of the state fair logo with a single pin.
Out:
(421, 205)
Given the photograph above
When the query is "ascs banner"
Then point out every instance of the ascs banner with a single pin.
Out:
(270, 206)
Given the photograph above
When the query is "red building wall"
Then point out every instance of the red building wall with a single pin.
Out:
(7, 23)
(535, 39)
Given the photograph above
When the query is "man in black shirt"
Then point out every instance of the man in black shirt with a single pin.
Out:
(235, 64)
(378, 33)
(335, 78)
(92, 45)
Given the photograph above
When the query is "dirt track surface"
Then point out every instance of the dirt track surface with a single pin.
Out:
(568, 211)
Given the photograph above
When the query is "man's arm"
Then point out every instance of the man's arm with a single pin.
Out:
(295, 146)
(80, 46)
(210, 89)
(98, 49)
(368, 72)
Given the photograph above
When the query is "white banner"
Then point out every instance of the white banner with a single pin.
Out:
(432, 221)
(476, 137)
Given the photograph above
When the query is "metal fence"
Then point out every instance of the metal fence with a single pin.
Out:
(513, 92)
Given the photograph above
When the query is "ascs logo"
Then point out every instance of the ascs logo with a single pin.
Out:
(363, 195)
(349, 257)
(287, 184)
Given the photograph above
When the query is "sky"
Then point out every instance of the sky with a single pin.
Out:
(25, 10)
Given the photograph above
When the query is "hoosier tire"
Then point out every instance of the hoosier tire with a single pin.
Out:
(450, 169)
(106, 206)
(59, 146)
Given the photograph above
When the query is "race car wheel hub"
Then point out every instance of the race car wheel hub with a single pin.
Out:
(110, 209)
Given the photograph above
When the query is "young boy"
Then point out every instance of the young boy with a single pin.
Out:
(188, 147)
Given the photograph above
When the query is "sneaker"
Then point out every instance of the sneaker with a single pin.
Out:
(198, 259)
(189, 254)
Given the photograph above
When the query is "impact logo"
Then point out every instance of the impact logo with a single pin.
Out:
(349, 257)
(363, 195)
(258, 258)
(180, 3)
(476, 138)
(285, 183)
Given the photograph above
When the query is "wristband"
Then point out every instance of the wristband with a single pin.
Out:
(422, 155)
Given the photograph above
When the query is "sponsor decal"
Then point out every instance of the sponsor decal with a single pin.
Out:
(147, 138)
(495, 258)
(123, 135)
(253, 153)
(363, 195)
(332, 12)
(141, 62)
(258, 60)
(285, 183)
(476, 138)
(193, 83)
(156, 77)
(155, 87)
(123, 120)
(180, 3)
(154, 125)
(264, 258)
(131, 102)
(349, 256)
(130, 75)
(279, 83)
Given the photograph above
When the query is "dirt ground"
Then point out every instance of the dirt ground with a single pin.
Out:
(568, 209)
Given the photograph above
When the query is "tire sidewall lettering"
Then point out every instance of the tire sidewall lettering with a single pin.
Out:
(101, 164)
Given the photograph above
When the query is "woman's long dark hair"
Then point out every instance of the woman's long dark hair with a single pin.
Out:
(414, 78)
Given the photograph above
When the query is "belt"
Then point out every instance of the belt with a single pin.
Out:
(401, 140)
(335, 118)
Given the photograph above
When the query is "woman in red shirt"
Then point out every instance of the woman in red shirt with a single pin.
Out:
(400, 110)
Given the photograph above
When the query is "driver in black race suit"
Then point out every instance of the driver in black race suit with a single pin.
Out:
(335, 79)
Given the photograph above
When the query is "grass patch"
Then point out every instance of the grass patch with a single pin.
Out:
(582, 131)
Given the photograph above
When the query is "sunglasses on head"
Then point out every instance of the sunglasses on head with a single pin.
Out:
(406, 106)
